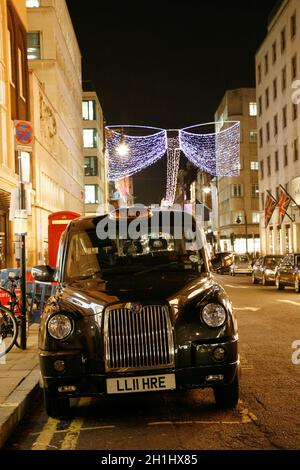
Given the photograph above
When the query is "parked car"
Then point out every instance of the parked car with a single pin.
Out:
(288, 272)
(241, 265)
(153, 319)
(264, 269)
(222, 261)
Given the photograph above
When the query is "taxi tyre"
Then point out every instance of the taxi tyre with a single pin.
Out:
(279, 286)
(56, 407)
(227, 396)
(297, 286)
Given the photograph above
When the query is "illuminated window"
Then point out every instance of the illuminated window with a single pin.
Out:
(91, 194)
(90, 166)
(252, 109)
(254, 166)
(254, 190)
(90, 138)
(32, 3)
(33, 46)
(253, 137)
(89, 110)
(255, 217)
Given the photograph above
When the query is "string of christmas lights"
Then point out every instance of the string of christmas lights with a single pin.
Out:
(173, 159)
(216, 153)
(130, 154)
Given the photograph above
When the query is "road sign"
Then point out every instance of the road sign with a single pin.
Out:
(23, 135)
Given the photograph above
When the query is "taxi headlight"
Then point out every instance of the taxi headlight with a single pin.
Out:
(214, 315)
(60, 326)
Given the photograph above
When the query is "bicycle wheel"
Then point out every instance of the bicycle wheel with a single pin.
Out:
(8, 330)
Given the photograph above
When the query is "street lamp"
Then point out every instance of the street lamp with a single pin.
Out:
(239, 221)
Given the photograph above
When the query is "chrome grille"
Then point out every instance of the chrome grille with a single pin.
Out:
(142, 340)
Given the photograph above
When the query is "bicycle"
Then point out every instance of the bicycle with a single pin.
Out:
(10, 318)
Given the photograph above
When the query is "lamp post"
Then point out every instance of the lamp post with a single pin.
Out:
(239, 221)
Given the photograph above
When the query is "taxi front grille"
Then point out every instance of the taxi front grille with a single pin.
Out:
(138, 340)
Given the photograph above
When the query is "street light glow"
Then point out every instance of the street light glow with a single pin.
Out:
(206, 190)
(122, 150)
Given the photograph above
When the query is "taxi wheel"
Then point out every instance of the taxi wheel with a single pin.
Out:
(279, 286)
(56, 407)
(297, 285)
(227, 396)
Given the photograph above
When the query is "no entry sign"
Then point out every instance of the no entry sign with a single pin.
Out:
(23, 135)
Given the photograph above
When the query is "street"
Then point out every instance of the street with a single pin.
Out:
(267, 417)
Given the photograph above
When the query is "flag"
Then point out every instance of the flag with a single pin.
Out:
(270, 205)
(283, 205)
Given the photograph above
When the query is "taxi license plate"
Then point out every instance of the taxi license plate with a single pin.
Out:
(148, 383)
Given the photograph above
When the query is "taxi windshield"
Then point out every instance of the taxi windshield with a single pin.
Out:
(157, 249)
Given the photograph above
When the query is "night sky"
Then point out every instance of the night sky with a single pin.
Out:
(167, 63)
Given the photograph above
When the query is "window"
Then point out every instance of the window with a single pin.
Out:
(266, 64)
(269, 166)
(294, 67)
(252, 109)
(268, 131)
(283, 79)
(285, 155)
(275, 124)
(275, 89)
(261, 170)
(89, 110)
(10, 68)
(254, 190)
(283, 40)
(261, 137)
(259, 73)
(90, 166)
(91, 194)
(236, 190)
(284, 117)
(276, 161)
(262, 201)
(32, 3)
(296, 155)
(295, 112)
(254, 166)
(253, 137)
(90, 138)
(33, 46)
(274, 52)
(255, 217)
(267, 98)
(293, 26)
(20, 71)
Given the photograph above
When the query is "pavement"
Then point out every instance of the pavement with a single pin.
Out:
(19, 382)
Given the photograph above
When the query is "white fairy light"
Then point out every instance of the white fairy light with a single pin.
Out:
(216, 153)
(141, 151)
(173, 157)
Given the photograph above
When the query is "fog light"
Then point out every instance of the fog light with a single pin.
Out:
(59, 366)
(219, 354)
(67, 388)
(214, 378)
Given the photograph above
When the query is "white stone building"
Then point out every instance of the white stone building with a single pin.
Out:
(56, 112)
(277, 72)
(238, 201)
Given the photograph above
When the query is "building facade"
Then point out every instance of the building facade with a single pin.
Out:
(56, 111)
(238, 197)
(14, 105)
(278, 98)
(95, 163)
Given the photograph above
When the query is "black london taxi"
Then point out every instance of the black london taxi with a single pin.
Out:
(136, 310)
